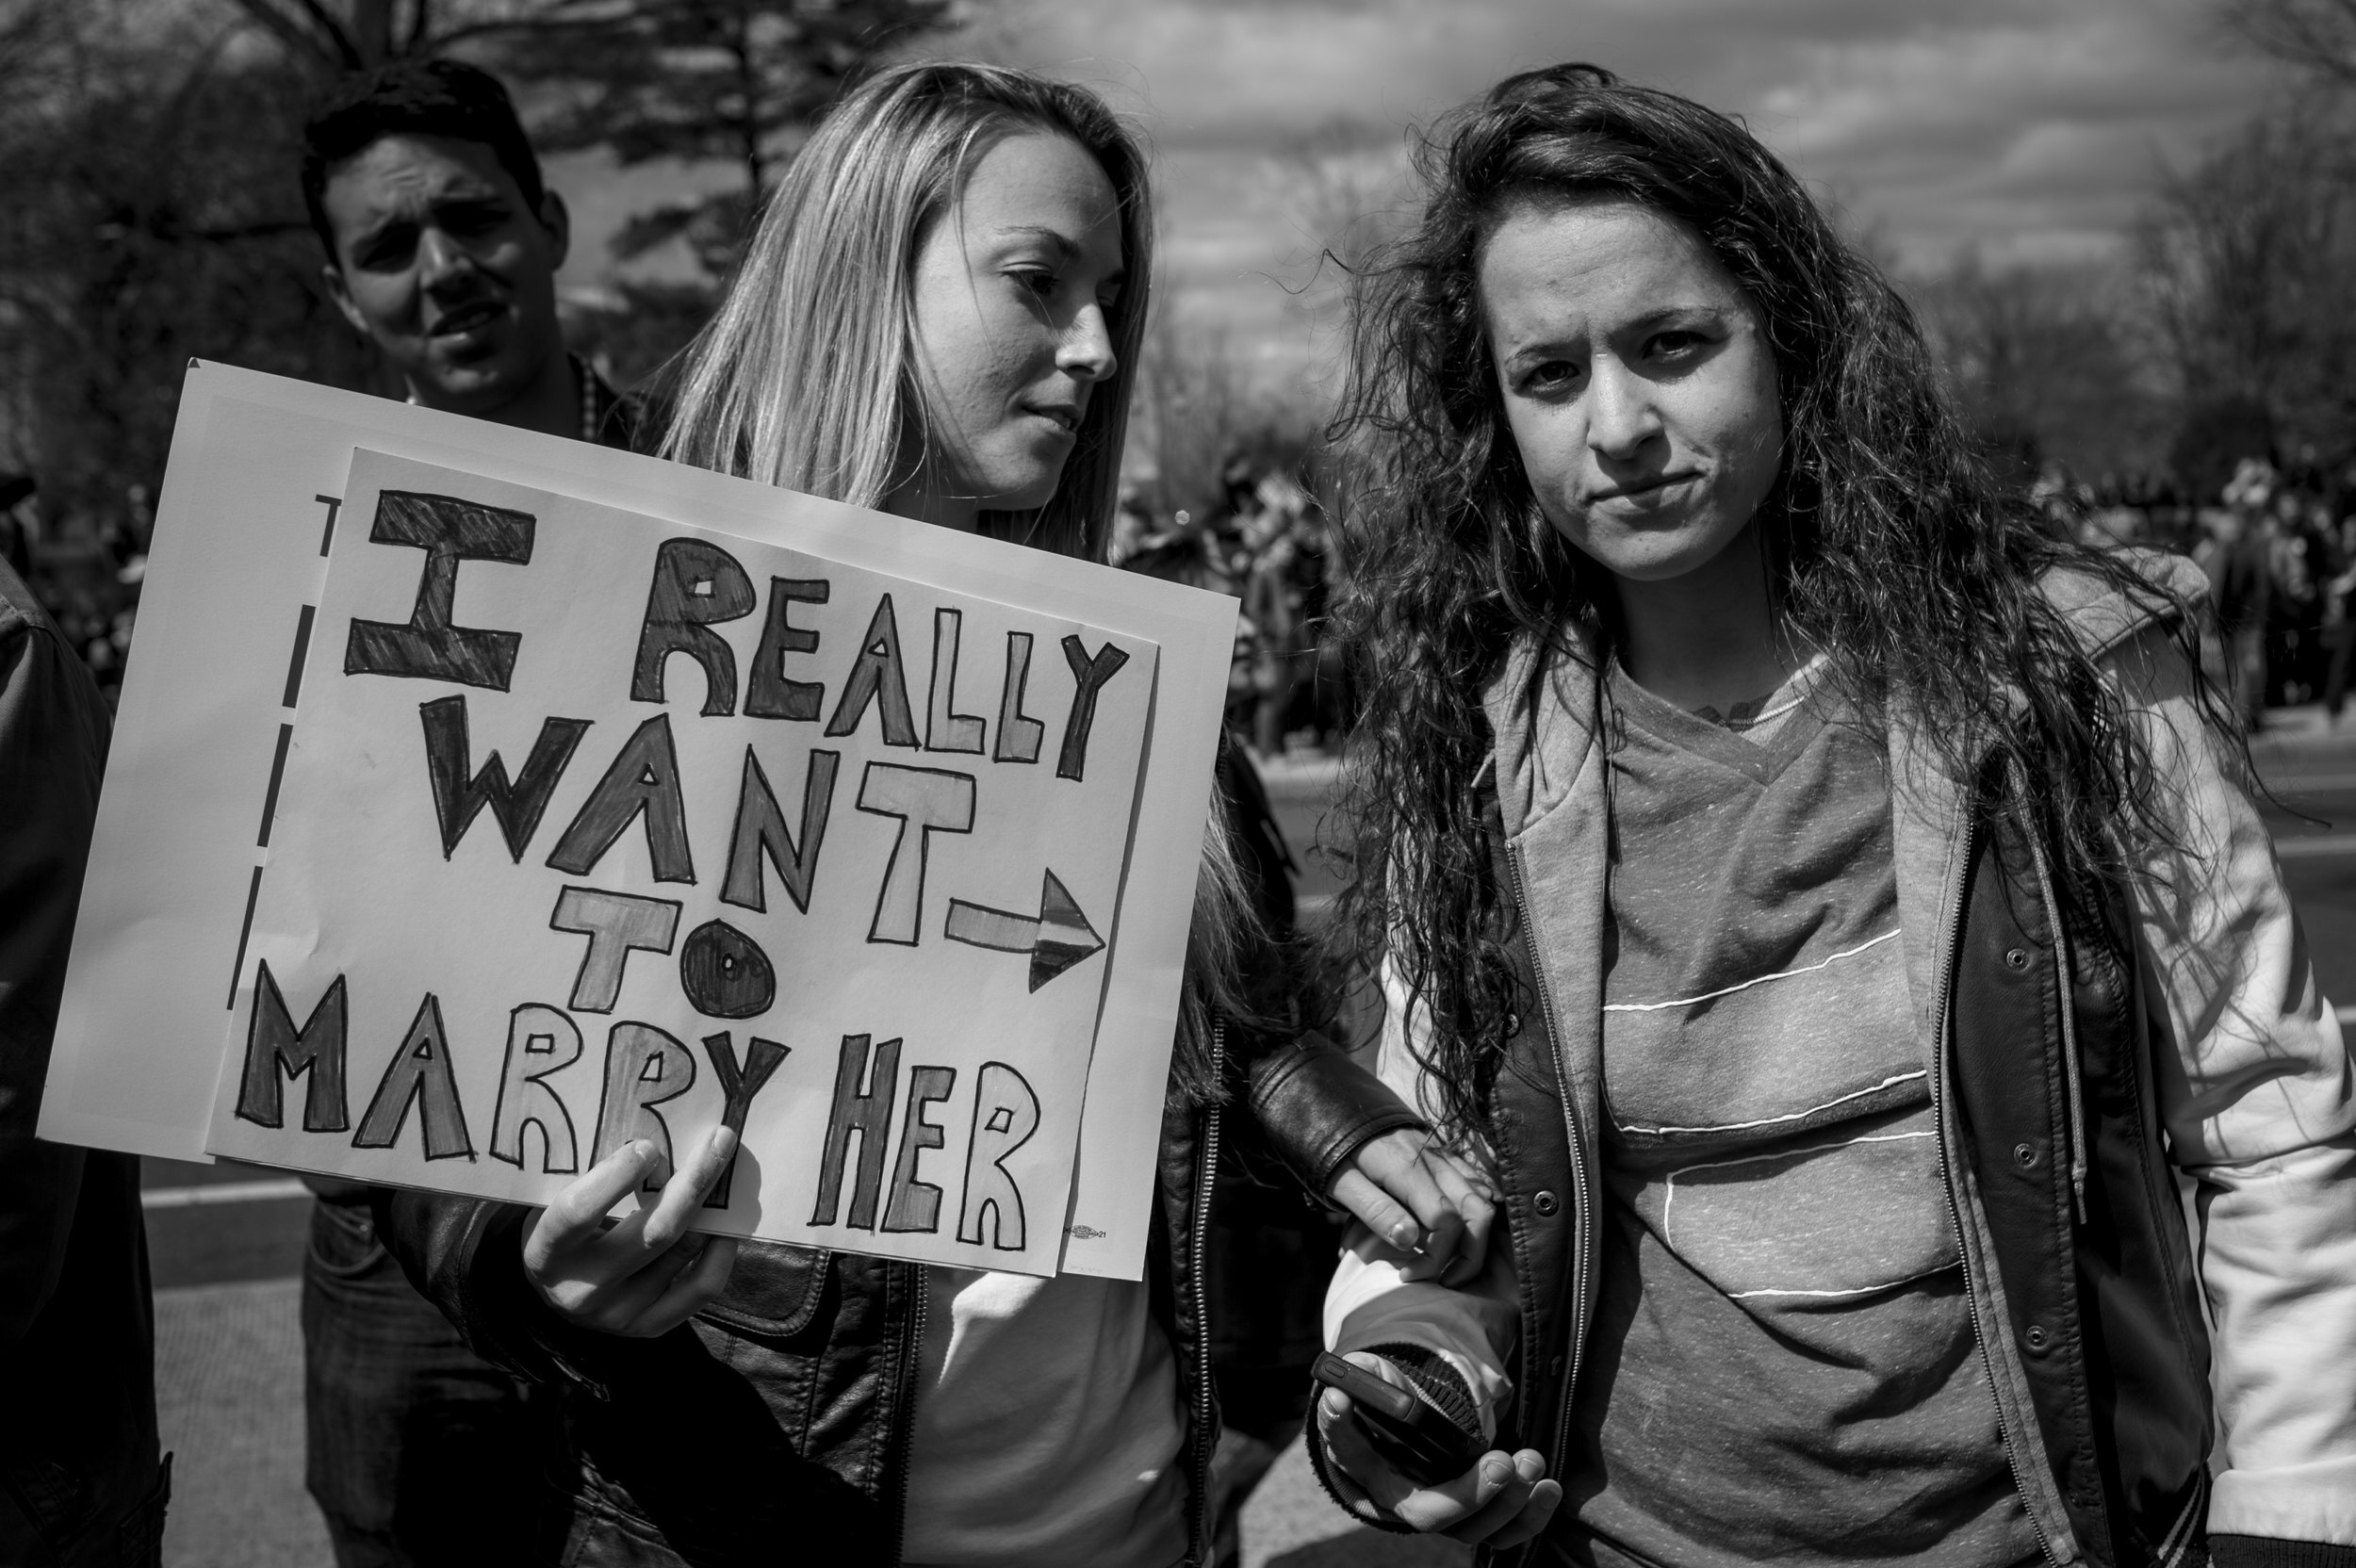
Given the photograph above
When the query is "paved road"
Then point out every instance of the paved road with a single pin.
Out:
(210, 1224)
(2313, 818)
(227, 1240)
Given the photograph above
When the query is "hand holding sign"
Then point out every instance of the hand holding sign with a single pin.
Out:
(642, 1276)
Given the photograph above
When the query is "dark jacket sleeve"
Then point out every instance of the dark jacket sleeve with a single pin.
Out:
(1313, 1104)
(76, 1326)
(53, 737)
(1316, 1107)
(465, 1256)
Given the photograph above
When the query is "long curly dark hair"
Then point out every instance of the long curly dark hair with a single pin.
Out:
(1890, 546)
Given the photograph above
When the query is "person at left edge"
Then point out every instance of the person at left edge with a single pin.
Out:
(442, 247)
(82, 1484)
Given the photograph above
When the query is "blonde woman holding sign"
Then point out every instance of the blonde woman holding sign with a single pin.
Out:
(938, 317)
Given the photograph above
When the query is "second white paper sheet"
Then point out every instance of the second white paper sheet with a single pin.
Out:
(754, 811)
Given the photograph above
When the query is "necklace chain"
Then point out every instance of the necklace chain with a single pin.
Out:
(588, 382)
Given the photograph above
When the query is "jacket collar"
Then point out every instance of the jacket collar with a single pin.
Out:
(1929, 805)
(1557, 818)
(1531, 680)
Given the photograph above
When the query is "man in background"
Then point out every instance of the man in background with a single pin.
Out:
(2240, 564)
(443, 245)
(442, 249)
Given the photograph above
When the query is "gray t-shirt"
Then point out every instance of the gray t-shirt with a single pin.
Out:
(1783, 1363)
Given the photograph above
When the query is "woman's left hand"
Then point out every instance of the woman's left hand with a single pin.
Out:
(1419, 1201)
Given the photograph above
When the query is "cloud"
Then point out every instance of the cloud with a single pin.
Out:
(2042, 121)
(2029, 129)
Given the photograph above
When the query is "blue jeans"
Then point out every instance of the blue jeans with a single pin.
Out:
(418, 1451)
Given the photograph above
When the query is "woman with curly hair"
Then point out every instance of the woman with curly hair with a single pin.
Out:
(1827, 907)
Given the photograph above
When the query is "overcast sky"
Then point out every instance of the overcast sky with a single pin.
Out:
(2033, 129)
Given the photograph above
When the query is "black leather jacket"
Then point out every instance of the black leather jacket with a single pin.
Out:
(2100, 1296)
(779, 1418)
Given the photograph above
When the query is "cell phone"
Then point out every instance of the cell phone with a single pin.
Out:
(1412, 1435)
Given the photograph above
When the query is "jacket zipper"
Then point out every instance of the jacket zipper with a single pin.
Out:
(912, 1368)
(1581, 1216)
(1942, 1019)
(1206, 1437)
(2072, 1073)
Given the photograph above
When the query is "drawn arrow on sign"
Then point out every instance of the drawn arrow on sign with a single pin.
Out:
(1056, 938)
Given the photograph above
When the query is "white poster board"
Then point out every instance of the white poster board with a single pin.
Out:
(577, 797)
(206, 723)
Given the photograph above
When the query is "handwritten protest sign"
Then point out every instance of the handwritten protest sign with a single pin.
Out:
(594, 827)
(207, 745)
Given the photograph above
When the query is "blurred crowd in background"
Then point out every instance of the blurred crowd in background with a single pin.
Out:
(2279, 545)
(1268, 544)
(86, 567)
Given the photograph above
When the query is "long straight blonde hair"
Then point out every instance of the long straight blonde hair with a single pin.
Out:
(806, 376)
(806, 379)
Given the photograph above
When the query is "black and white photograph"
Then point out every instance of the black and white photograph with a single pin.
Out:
(1177, 783)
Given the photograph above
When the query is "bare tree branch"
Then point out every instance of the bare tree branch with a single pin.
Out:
(2314, 36)
(2249, 258)
(309, 32)
(153, 218)
(34, 42)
